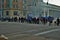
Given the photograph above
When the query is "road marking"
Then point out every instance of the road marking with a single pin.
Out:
(31, 31)
(46, 32)
(22, 32)
(18, 35)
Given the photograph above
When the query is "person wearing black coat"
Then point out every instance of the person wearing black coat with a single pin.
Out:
(58, 20)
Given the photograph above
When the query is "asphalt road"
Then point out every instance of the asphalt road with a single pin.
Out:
(18, 31)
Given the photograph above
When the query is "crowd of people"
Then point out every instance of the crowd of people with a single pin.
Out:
(34, 20)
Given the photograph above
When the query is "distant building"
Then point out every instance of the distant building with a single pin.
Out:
(20, 8)
(12, 8)
(39, 8)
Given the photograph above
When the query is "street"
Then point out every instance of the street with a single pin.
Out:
(25, 31)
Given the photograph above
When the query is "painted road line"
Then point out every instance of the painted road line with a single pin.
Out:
(18, 35)
(28, 31)
(46, 32)
(31, 31)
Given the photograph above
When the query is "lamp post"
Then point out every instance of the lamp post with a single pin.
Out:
(46, 14)
(47, 8)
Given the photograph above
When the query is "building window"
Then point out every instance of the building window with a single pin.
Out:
(15, 12)
(2, 1)
(24, 1)
(15, 0)
(0, 6)
(7, 3)
(7, 12)
(15, 6)
(7, 6)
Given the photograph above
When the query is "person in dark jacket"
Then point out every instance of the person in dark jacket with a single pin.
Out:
(58, 20)
(15, 19)
(22, 20)
(37, 20)
(19, 19)
(50, 20)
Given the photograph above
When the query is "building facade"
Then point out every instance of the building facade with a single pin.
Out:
(39, 8)
(1, 4)
(12, 8)
(20, 8)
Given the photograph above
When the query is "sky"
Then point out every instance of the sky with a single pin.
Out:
(55, 2)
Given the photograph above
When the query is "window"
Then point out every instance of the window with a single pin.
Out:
(2, 6)
(7, 6)
(15, 12)
(2, 1)
(15, 0)
(24, 1)
(15, 6)
(7, 3)
(7, 12)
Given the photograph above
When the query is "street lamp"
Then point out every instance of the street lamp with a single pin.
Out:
(47, 7)
(47, 2)
(46, 14)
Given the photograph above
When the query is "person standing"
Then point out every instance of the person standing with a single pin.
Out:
(58, 20)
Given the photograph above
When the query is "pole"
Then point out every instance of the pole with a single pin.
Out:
(44, 12)
(48, 8)
(48, 12)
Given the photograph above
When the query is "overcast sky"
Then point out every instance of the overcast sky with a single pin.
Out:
(55, 2)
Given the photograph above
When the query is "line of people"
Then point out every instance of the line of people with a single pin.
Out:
(21, 19)
(33, 20)
(57, 21)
